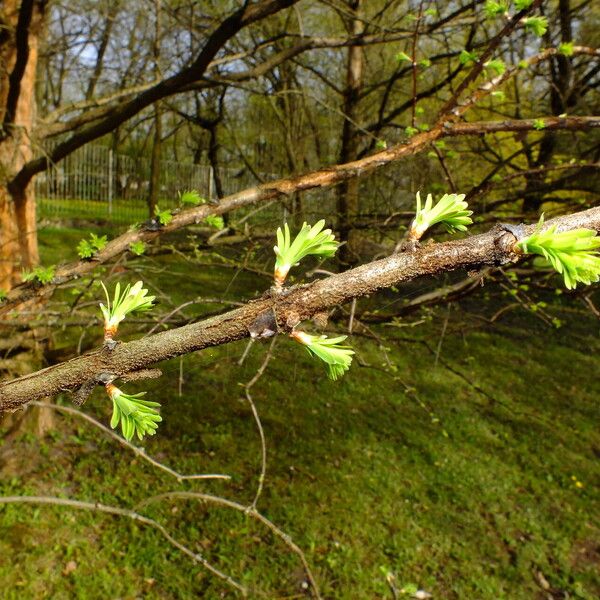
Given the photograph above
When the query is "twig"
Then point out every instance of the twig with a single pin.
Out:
(135, 449)
(263, 442)
(251, 511)
(130, 514)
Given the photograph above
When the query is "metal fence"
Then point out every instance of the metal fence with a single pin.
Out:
(96, 183)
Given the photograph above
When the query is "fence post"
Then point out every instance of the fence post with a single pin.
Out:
(110, 180)
(210, 183)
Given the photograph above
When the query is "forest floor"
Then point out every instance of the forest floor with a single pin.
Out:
(457, 455)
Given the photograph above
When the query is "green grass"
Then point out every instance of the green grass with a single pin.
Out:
(124, 212)
(469, 477)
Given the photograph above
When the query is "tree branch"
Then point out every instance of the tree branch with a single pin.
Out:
(297, 303)
(228, 28)
(322, 178)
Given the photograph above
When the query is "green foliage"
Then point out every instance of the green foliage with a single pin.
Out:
(566, 48)
(2, 295)
(523, 64)
(539, 124)
(574, 254)
(493, 8)
(403, 57)
(467, 57)
(536, 25)
(496, 65)
(132, 299)
(410, 131)
(215, 221)
(498, 94)
(522, 4)
(425, 63)
(330, 350)
(135, 415)
(40, 274)
(164, 217)
(311, 240)
(138, 247)
(191, 197)
(451, 210)
(381, 145)
(87, 248)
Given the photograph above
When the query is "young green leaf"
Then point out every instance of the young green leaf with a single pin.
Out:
(496, 65)
(403, 57)
(451, 210)
(336, 357)
(215, 221)
(574, 254)
(467, 57)
(522, 4)
(40, 274)
(493, 9)
(191, 197)
(539, 124)
(138, 247)
(536, 25)
(310, 241)
(135, 415)
(132, 299)
(87, 248)
(566, 49)
(2, 295)
(164, 217)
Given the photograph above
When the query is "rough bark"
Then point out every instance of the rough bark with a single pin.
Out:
(24, 22)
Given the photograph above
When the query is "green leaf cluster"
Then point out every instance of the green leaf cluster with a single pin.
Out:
(467, 57)
(138, 248)
(135, 415)
(522, 4)
(336, 357)
(40, 274)
(215, 221)
(131, 299)
(311, 240)
(493, 8)
(451, 210)
(536, 25)
(574, 254)
(496, 65)
(164, 217)
(566, 48)
(87, 248)
(539, 124)
(191, 197)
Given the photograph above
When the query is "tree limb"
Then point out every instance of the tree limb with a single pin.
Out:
(299, 303)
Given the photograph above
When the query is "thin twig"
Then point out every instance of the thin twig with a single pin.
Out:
(135, 449)
(130, 514)
(251, 511)
(263, 442)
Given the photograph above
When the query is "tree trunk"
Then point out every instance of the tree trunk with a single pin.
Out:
(21, 25)
(155, 163)
(348, 192)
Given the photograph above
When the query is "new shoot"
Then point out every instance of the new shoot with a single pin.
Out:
(451, 210)
(132, 299)
(336, 357)
(574, 254)
(312, 240)
(135, 415)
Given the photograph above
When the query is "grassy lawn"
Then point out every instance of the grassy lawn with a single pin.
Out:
(473, 476)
